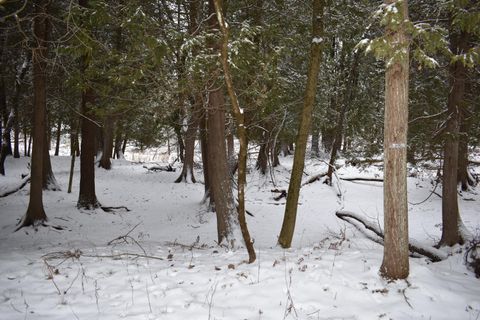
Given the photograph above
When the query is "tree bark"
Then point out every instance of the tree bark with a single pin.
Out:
(288, 226)
(87, 199)
(35, 212)
(220, 182)
(105, 161)
(395, 264)
(241, 132)
(450, 214)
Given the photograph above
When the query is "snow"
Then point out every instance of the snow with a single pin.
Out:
(175, 270)
(317, 40)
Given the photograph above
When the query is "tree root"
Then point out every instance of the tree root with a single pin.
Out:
(433, 254)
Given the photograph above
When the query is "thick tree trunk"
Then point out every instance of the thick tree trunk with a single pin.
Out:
(220, 182)
(450, 214)
(35, 213)
(288, 226)
(395, 264)
(262, 158)
(105, 161)
(87, 198)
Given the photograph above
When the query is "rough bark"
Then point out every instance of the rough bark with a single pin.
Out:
(220, 182)
(241, 133)
(35, 212)
(451, 221)
(395, 264)
(288, 226)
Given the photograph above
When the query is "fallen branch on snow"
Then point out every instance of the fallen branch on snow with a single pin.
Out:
(157, 168)
(24, 182)
(415, 247)
(361, 179)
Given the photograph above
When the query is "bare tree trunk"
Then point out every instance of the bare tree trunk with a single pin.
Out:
(209, 196)
(58, 136)
(190, 136)
(315, 141)
(220, 182)
(395, 263)
(105, 161)
(35, 213)
(288, 226)
(48, 178)
(450, 214)
(87, 198)
(241, 132)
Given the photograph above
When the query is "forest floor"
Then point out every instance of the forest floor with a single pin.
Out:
(160, 260)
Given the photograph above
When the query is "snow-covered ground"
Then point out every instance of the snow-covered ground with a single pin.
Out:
(168, 265)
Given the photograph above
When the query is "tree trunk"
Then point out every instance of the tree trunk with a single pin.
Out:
(208, 196)
(395, 263)
(288, 226)
(242, 135)
(315, 141)
(220, 182)
(35, 213)
(450, 214)
(105, 161)
(58, 136)
(262, 159)
(190, 136)
(48, 178)
(87, 199)
(118, 141)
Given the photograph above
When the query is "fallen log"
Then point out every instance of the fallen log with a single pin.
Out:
(24, 182)
(433, 254)
(314, 178)
(361, 179)
(157, 168)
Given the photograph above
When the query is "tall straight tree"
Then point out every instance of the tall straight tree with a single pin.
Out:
(395, 263)
(87, 198)
(288, 226)
(219, 176)
(451, 220)
(35, 212)
(241, 133)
